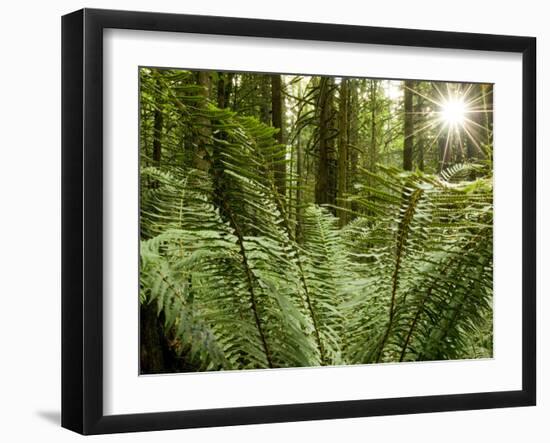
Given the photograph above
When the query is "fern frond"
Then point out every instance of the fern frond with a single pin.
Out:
(428, 258)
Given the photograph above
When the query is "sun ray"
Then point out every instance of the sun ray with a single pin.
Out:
(467, 92)
(445, 149)
(436, 138)
(480, 97)
(470, 121)
(438, 91)
(435, 102)
(472, 138)
(461, 146)
(425, 127)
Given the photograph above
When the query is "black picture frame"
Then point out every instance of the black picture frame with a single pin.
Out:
(82, 231)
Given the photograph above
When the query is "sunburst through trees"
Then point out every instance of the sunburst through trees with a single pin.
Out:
(292, 220)
(459, 114)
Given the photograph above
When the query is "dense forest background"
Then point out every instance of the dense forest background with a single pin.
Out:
(292, 220)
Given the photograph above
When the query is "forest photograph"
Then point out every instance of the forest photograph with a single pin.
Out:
(292, 220)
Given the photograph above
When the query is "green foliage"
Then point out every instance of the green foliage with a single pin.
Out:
(427, 253)
(409, 278)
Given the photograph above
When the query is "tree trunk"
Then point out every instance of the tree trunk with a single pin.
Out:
(408, 126)
(203, 131)
(371, 158)
(225, 82)
(323, 179)
(221, 90)
(342, 213)
(487, 91)
(157, 132)
(353, 136)
(279, 162)
(418, 122)
(265, 99)
(152, 343)
(477, 129)
(299, 191)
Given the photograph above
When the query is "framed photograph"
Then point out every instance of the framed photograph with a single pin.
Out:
(269, 221)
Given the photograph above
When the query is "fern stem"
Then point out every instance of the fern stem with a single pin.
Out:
(222, 203)
(281, 207)
(419, 312)
(302, 276)
(313, 316)
(402, 234)
(250, 281)
(415, 321)
(457, 308)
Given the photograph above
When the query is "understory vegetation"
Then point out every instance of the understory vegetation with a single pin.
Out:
(291, 221)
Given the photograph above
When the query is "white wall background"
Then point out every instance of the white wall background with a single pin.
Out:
(30, 219)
